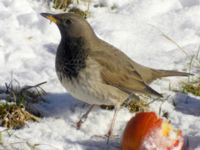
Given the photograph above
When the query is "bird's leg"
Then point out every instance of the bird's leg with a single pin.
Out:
(83, 117)
(112, 125)
(127, 100)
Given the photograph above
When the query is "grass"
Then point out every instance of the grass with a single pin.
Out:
(22, 95)
(68, 5)
(14, 116)
(191, 87)
(137, 106)
(133, 106)
(15, 103)
(78, 11)
(62, 4)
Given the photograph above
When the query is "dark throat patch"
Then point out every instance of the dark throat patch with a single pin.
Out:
(71, 57)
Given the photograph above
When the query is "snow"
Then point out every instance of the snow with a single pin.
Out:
(27, 51)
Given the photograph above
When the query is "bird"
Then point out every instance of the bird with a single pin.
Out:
(96, 72)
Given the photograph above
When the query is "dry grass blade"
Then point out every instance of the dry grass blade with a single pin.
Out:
(198, 51)
(171, 40)
(23, 95)
(15, 111)
(13, 116)
(195, 59)
(192, 86)
(175, 43)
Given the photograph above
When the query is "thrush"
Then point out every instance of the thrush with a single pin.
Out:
(96, 72)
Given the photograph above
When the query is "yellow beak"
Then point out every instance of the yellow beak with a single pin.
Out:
(51, 17)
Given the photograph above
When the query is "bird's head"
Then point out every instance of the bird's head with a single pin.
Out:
(70, 25)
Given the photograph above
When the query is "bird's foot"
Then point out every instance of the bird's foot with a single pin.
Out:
(108, 135)
(78, 124)
(83, 118)
(81, 121)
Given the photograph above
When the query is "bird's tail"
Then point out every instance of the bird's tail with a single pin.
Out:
(168, 73)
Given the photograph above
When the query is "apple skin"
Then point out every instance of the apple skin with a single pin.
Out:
(138, 128)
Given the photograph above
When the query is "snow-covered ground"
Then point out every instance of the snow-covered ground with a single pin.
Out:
(27, 52)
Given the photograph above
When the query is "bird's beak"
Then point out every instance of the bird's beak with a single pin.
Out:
(51, 17)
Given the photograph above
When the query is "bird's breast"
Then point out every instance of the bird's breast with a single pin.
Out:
(71, 57)
(88, 85)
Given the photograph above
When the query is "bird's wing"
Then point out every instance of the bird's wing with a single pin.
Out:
(118, 70)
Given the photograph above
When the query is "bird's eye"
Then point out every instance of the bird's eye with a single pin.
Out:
(67, 21)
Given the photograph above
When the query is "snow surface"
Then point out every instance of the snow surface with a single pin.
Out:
(27, 52)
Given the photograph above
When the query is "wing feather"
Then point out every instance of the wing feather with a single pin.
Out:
(118, 70)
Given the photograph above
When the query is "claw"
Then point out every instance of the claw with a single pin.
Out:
(83, 118)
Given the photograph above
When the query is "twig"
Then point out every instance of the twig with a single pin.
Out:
(160, 108)
(198, 52)
(190, 67)
(34, 86)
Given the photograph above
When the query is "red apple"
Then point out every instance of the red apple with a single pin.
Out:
(147, 131)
